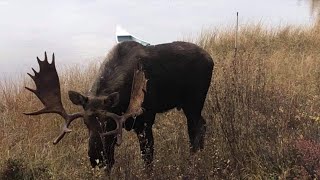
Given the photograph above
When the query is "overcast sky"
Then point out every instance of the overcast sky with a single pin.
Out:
(80, 30)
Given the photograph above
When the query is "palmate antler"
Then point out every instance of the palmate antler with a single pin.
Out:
(48, 91)
(135, 105)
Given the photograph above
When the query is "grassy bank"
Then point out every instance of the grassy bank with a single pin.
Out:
(262, 111)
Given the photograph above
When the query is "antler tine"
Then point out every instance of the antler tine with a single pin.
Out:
(34, 71)
(32, 90)
(64, 131)
(120, 120)
(53, 59)
(135, 105)
(38, 60)
(65, 128)
(43, 64)
(41, 111)
(45, 56)
(32, 77)
(48, 91)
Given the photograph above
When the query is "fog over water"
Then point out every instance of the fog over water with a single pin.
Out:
(84, 30)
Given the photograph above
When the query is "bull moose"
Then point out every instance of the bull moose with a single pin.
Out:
(133, 84)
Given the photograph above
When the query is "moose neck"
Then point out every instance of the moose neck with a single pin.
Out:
(116, 72)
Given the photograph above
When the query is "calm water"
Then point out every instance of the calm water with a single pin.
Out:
(79, 31)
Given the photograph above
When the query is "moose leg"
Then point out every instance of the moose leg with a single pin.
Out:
(145, 136)
(192, 107)
(108, 152)
(196, 129)
(100, 155)
(95, 150)
(146, 144)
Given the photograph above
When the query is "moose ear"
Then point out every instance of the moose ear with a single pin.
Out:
(77, 98)
(112, 100)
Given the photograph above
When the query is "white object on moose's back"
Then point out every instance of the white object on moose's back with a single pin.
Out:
(123, 35)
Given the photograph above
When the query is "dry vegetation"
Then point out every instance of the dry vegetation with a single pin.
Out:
(262, 111)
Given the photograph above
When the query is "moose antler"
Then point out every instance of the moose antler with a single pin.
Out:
(135, 105)
(48, 91)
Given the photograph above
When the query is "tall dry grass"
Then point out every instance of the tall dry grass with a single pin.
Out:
(262, 111)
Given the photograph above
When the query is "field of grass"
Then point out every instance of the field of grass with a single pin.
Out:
(262, 112)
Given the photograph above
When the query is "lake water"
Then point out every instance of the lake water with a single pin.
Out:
(79, 31)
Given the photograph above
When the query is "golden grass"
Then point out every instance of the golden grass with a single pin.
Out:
(258, 107)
